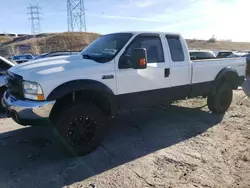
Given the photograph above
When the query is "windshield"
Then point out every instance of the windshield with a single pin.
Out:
(105, 48)
(22, 57)
(202, 54)
(224, 54)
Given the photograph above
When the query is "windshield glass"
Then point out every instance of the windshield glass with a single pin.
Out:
(202, 54)
(106, 47)
(22, 57)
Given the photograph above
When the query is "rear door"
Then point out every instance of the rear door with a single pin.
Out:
(145, 86)
(179, 65)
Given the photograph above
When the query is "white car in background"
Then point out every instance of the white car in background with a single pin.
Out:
(201, 54)
(237, 54)
(223, 53)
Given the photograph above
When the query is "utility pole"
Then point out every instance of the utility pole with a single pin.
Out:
(34, 12)
(76, 15)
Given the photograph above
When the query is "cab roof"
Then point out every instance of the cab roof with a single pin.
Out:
(148, 32)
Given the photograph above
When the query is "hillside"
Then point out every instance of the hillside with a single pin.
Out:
(47, 42)
(78, 40)
(4, 39)
(218, 45)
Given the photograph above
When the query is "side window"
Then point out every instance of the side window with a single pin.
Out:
(4, 65)
(153, 46)
(176, 49)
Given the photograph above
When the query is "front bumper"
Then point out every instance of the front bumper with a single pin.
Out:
(26, 112)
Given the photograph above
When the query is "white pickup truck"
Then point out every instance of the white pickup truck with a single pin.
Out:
(117, 72)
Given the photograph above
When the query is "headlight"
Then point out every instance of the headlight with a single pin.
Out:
(32, 90)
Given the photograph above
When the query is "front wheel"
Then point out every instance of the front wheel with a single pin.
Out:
(221, 100)
(81, 128)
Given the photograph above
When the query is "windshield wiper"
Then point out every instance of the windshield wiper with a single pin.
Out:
(86, 56)
(94, 58)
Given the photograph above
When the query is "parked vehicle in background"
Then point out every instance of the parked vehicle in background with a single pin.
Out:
(224, 54)
(117, 72)
(201, 54)
(22, 58)
(54, 54)
(237, 54)
(4, 66)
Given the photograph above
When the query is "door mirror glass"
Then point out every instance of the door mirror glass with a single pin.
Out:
(139, 58)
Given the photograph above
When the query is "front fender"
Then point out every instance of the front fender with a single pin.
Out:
(81, 85)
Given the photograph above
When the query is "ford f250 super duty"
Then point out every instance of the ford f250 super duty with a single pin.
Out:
(117, 72)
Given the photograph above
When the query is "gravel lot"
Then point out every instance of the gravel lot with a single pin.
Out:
(182, 145)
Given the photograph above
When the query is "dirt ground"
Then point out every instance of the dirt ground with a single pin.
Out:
(182, 145)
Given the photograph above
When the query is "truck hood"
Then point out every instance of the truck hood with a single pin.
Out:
(52, 65)
(55, 71)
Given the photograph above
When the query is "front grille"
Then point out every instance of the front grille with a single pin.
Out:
(14, 85)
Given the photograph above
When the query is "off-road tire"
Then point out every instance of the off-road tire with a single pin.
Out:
(74, 123)
(221, 100)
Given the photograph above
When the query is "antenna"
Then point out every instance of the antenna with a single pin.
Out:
(76, 15)
(35, 18)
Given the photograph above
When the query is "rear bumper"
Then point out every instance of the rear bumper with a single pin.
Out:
(27, 112)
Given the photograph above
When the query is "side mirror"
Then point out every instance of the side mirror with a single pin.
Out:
(139, 58)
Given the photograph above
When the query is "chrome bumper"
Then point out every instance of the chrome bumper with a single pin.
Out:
(26, 112)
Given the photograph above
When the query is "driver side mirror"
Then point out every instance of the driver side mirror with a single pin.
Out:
(139, 58)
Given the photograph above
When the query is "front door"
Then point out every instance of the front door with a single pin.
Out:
(143, 86)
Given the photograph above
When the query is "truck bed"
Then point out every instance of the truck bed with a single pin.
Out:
(201, 68)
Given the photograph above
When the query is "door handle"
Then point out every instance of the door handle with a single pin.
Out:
(167, 72)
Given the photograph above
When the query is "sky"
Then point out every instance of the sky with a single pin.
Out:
(194, 19)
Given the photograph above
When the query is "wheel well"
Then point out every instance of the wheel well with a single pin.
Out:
(230, 77)
(85, 96)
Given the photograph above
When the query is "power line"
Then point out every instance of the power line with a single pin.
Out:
(34, 12)
(76, 15)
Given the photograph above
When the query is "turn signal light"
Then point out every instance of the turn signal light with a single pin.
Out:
(142, 61)
(40, 97)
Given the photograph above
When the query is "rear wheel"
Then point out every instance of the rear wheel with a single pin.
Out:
(221, 100)
(81, 128)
